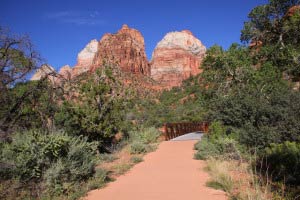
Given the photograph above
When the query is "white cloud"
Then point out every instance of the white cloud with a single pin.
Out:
(76, 17)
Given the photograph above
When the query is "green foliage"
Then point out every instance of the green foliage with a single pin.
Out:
(145, 135)
(122, 168)
(142, 140)
(29, 105)
(220, 147)
(23, 105)
(175, 105)
(279, 33)
(261, 120)
(205, 149)
(55, 158)
(224, 70)
(251, 91)
(78, 165)
(138, 148)
(136, 159)
(17, 59)
(282, 162)
(106, 157)
(216, 143)
(100, 113)
(266, 22)
(99, 179)
(216, 130)
(255, 101)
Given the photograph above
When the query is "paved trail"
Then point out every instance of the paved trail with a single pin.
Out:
(169, 173)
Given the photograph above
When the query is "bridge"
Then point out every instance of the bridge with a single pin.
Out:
(184, 130)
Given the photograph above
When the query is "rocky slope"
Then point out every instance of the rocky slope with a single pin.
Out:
(177, 57)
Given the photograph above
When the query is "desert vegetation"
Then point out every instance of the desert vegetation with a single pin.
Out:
(254, 105)
(56, 138)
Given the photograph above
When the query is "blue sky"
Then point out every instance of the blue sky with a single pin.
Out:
(61, 28)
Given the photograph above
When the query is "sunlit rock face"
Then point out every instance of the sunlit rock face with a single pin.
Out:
(66, 72)
(87, 55)
(85, 58)
(126, 49)
(177, 57)
(44, 71)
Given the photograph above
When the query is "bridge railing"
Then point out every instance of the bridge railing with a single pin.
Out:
(172, 130)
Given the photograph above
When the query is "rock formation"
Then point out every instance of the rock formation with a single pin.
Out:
(66, 72)
(85, 58)
(87, 55)
(126, 49)
(293, 10)
(44, 71)
(177, 57)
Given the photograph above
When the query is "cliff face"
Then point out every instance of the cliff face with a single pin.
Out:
(66, 72)
(85, 58)
(44, 71)
(177, 57)
(126, 49)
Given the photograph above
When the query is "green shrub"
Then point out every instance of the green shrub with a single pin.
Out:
(88, 118)
(282, 162)
(216, 143)
(55, 159)
(136, 159)
(216, 130)
(99, 179)
(122, 168)
(106, 157)
(205, 149)
(145, 135)
(31, 152)
(78, 165)
(138, 148)
(224, 147)
(149, 135)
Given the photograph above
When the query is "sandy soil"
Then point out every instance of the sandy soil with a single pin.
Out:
(169, 173)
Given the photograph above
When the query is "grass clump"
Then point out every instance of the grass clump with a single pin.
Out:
(219, 172)
(145, 135)
(122, 168)
(136, 159)
(143, 141)
(99, 180)
(106, 157)
(236, 179)
(138, 148)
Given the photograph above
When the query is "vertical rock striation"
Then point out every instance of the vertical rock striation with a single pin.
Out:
(177, 57)
(126, 49)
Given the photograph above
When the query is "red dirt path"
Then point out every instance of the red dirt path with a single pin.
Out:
(169, 173)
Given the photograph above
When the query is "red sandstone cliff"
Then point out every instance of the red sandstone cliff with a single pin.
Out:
(126, 49)
(177, 57)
